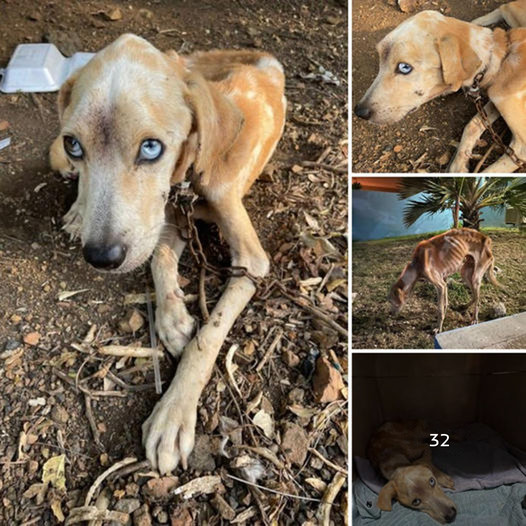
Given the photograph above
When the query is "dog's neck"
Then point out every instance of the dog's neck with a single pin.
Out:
(408, 278)
(492, 62)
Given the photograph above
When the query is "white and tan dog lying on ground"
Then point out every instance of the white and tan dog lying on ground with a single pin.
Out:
(401, 452)
(134, 121)
(430, 55)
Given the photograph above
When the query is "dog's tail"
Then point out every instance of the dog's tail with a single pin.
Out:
(490, 18)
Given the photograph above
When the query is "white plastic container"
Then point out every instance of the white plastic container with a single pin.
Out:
(39, 68)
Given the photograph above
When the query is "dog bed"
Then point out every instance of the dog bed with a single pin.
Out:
(490, 484)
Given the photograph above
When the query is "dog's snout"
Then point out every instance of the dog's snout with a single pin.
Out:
(451, 515)
(106, 257)
(363, 111)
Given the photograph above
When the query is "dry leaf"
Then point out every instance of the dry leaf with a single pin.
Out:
(311, 221)
(54, 472)
(265, 422)
(57, 510)
(231, 367)
(69, 293)
(207, 484)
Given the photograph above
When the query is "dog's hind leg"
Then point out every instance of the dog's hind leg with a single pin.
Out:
(491, 18)
(441, 287)
(173, 322)
(471, 134)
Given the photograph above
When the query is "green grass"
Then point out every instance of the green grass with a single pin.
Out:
(376, 266)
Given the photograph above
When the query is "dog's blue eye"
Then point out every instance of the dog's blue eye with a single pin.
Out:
(404, 68)
(73, 147)
(150, 150)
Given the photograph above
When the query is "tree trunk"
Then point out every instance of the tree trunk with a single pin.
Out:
(471, 219)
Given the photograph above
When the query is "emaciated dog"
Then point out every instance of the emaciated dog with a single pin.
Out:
(437, 258)
(401, 452)
(135, 122)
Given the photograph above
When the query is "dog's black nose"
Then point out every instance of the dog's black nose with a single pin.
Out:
(450, 517)
(362, 111)
(105, 257)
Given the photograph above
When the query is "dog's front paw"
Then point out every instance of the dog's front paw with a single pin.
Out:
(73, 221)
(168, 434)
(446, 481)
(174, 325)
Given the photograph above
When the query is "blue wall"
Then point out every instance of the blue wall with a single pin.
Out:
(376, 215)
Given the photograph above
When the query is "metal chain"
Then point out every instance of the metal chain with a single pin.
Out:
(473, 92)
(183, 196)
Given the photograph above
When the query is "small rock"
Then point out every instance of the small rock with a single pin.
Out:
(132, 489)
(201, 458)
(291, 359)
(141, 517)
(327, 382)
(499, 310)
(128, 505)
(294, 443)
(181, 517)
(408, 6)
(15, 318)
(224, 509)
(32, 338)
(11, 345)
(59, 414)
(160, 488)
(398, 148)
(297, 169)
(162, 517)
(114, 15)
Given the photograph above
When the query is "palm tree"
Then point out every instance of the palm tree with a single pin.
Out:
(464, 196)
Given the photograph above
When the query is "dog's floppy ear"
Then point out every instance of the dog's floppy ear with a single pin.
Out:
(386, 495)
(186, 158)
(64, 95)
(218, 123)
(459, 61)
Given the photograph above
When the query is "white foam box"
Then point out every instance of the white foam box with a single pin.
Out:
(39, 68)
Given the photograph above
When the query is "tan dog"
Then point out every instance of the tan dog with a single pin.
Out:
(430, 55)
(514, 14)
(401, 452)
(134, 122)
(437, 258)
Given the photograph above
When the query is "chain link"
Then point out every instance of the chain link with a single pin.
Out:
(473, 92)
(183, 197)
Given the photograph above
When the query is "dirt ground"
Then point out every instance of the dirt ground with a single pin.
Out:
(425, 140)
(48, 383)
(373, 326)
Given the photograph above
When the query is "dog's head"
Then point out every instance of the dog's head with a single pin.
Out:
(396, 297)
(416, 487)
(426, 56)
(132, 121)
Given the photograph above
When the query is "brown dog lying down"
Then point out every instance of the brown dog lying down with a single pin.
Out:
(136, 121)
(514, 14)
(437, 258)
(401, 452)
(430, 55)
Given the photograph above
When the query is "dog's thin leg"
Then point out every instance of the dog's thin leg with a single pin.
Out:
(476, 296)
(172, 320)
(169, 432)
(471, 134)
(441, 288)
